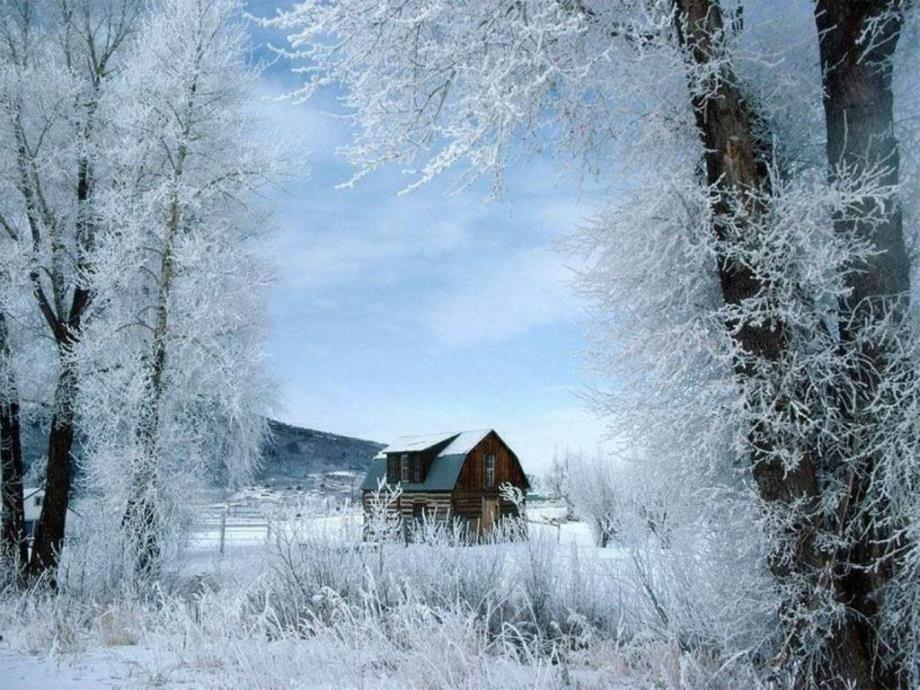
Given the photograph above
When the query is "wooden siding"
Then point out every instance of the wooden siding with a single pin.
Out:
(507, 468)
(436, 504)
(468, 494)
(468, 504)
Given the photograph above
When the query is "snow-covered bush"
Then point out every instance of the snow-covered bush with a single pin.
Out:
(383, 521)
(596, 494)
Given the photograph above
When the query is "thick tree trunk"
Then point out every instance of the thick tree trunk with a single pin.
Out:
(859, 113)
(49, 533)
(13, 542)
(736, 168)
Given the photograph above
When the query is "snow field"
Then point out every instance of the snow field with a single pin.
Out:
(309, 605)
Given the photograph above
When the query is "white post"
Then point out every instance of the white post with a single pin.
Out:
(223, 530)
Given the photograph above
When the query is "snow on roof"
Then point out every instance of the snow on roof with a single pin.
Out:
(458, 442)
(465, 442)
(414, 444)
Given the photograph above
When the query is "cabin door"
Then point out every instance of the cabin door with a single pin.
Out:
(489, 514)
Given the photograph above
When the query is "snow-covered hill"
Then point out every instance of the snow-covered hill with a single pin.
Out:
(298, 462)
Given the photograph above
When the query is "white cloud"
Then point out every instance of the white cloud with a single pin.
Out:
(502, 298)
(372, 249)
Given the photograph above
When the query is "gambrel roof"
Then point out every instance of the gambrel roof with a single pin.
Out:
(445, 468)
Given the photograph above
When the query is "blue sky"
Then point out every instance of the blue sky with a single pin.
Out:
(426, 312)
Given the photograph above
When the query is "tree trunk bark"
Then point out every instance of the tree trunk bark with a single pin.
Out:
(49, 533)
(859, 116)
(736, 169)
(13, 542)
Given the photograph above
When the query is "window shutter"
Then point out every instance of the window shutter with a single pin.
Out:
(417, 469)
(392, 469)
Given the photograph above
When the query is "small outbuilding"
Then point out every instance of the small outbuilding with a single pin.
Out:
(32, 505)
(449, 476)
(33, 499)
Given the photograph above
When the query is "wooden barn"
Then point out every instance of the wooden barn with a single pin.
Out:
(450, 476)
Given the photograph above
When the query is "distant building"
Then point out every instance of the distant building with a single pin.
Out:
(32, 503)
(449, 476)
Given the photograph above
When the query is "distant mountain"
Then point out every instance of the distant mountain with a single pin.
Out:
(292, 455)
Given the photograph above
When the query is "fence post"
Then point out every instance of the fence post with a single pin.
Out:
(223, 530)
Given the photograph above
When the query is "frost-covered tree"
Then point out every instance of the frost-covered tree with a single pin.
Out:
(751, 281)
(597, 495)
(130, 217)
(558, 480)
(23, 359)
(172, 383)
(58, 60)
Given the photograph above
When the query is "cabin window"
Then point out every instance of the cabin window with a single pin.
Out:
(490, 470)
(38, 500)
(404, 469)
(417, 469)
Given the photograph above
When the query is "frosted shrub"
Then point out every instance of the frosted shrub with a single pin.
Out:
(443, 612)
(383, 521)
(38, 621)
(692, 592)
(443, 573)
(596, 495)
(495, 615)
(303, 561)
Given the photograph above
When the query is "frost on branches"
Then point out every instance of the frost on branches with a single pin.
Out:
(54, 71)
(179, 337)
(129, 239)
(750, 276)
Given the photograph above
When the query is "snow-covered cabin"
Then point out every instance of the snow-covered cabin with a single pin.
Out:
(453, 475)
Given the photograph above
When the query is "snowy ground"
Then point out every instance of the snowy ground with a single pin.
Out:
(114, 667)
(247, 528)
